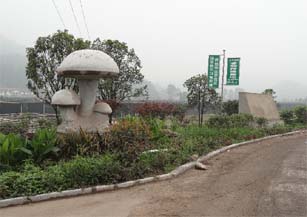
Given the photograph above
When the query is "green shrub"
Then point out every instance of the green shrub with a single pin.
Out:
(235, 120)
(86, 171)
(80, 143)
(221, 121)
(298, 115)
(11, 150)
(301, 114)
(261, 122)
(129, 138)
(42, 145)
(287, 116)
(79, 172)
(241, 120)
(230, 107)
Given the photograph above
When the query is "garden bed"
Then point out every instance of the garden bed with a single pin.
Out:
(44, 163)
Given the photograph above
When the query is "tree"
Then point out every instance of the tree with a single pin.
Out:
(43, 59)
(230, 107)
(124, 86)
(49, 52)
(129, 82)
(270, 92)
(200, 94)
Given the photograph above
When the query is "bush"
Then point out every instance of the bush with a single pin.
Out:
(80, 143)
(241, 120)
(161, 110)
(87, 171)
(301, 114)
(298, 115)
(129, 137)
(230, 107)
(79, 172)
(287, 116)
(11, 153)
(236, 120)
(42, 145)
(261, 122)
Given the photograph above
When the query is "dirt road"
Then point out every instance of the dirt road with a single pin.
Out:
(264, 179)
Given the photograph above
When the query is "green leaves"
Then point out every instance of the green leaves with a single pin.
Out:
(43, 59)
(14, 150)
(129, 82)
(201, 95)
(10, 149)
(198, 89)
(43, 145)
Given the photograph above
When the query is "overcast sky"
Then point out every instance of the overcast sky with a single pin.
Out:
(173, 38)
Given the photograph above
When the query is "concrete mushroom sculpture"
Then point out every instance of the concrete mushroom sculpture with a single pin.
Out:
(87, 66)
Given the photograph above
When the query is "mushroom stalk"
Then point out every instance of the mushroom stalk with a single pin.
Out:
(67, 113)
(87, 90)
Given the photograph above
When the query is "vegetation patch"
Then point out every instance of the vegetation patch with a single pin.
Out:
(134, 147)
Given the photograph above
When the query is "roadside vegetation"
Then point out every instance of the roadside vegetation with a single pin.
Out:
(154, 142)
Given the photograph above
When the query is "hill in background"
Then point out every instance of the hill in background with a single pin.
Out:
(12, 64)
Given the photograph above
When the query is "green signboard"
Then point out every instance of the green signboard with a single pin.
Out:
(233, 71)
(213, 71)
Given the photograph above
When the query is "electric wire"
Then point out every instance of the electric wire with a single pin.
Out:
(85, 23)
(59, 14)
(73, 11)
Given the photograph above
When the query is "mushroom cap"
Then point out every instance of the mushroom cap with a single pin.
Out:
(88, 64)
(65, 97)
(103, 108)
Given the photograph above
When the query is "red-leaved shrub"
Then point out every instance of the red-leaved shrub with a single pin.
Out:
(160, 110)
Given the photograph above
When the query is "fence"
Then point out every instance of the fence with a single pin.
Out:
(15, 107)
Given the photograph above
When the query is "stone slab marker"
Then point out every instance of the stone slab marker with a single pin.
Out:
(259, 105)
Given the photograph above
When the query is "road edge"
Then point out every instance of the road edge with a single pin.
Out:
(102, 188)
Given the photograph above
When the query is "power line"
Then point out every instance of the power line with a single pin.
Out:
(86, 26)
(72, 9)
(59, 14)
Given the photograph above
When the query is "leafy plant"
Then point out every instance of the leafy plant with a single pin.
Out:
(10, 149)
(235, 120)
(301, 114)
(262, 122)
(230, 107)
(160, 110)
(287, 116)
(200, 95)
(80, 143)
(129, 137)
(42, 146)
(79, 172)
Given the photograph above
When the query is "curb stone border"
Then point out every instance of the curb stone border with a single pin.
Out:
(102, 188)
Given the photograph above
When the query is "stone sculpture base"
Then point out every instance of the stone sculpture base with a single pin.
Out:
(95, 123)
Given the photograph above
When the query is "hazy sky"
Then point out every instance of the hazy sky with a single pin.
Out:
(173, 38)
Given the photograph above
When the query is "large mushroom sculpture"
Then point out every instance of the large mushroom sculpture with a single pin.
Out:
(87, 66)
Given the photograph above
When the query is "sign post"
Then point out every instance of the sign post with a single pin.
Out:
(213, 71)
(233, 71)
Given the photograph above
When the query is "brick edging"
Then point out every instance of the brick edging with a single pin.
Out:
(101, 188)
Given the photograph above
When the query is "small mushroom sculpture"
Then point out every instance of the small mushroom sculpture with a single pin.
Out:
(87, 66)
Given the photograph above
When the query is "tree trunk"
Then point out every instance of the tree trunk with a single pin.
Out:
(199, 109)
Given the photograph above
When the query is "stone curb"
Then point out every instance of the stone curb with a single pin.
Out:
(102, 188)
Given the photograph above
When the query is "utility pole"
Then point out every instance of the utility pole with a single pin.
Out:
(223, 73)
